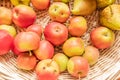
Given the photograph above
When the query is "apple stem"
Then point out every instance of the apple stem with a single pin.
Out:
(50, 62)
(79, 77)
(30, 53)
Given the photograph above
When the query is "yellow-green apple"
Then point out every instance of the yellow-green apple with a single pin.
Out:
(83, 7)
(35, 28)
(73, 46)
(23, 16)
(77, 26)
(45, 50)
(91, 54)
(78, 66)
(47, 70)
(61, 60)
(11, 30)
(26, 61)
(6, 41)
(19, 2)
(40, 4)
(26, 41)
(5, 15)
(56, 33)
(65, 1)
(102, 37)
(59, 12)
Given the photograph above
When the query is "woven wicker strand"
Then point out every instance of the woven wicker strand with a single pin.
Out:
(107, 67)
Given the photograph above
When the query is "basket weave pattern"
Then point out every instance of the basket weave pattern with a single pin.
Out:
(107, 67)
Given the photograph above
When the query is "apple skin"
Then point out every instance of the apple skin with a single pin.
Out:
(56, 33)
(45, 50)
(23, 16)
(35, 28)
(26, 41)
(26, 61)
(102, 37)
(59, 12)
(91, 54)
(73, 46)
(18, 2)
(6, 41)
(47, 70)
(78, 66)
(11, 30)
(5, 16)
(65, 1)
(77, 26)
(61, 60)
(40, 4)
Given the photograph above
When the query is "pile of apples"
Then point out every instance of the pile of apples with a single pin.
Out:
(35, 53)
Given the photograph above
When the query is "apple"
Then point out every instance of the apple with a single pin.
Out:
(6, 41)
(47, 70)
(14, 50)
(65, 1)
(40, 4)
(78, 66)
(26, 61)
(5, 16)
(74, 46)
(18, 2)
(11, 30)
(91, 54)
(61, 60)
(35, 28)
(77, 26)
(102, 37)
(56, 33)
(45, 50)
(23, 16)
(59, 12)
(26, 41)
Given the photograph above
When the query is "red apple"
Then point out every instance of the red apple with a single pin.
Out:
(23, 16)
(78, 66)
(102, 37)
(35, 28)
(47, 70)
(5, 15)
(40, 4)
(59, 11)
(74, 46)
(26, 41)
(45, 50)
(77, 26)
(26, 61)
(91, 54)
(6, 41)
(56, 33)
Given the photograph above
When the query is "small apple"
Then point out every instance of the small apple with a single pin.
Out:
(77, 26)
(47, 70)
(5, 16)
(23, 16)
(35, 28)
(26, 61)
(6, 41)
(65, 1)
(18, 2)
(102, 37)
(78, 66)
(61, 60)
(73, 46)
(91, 54)
(11, 30)
(40, 4)
(56, 33)
(45, 50)
(26, 41)
(59, 11)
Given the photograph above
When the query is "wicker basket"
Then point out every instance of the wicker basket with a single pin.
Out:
(107, 67)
